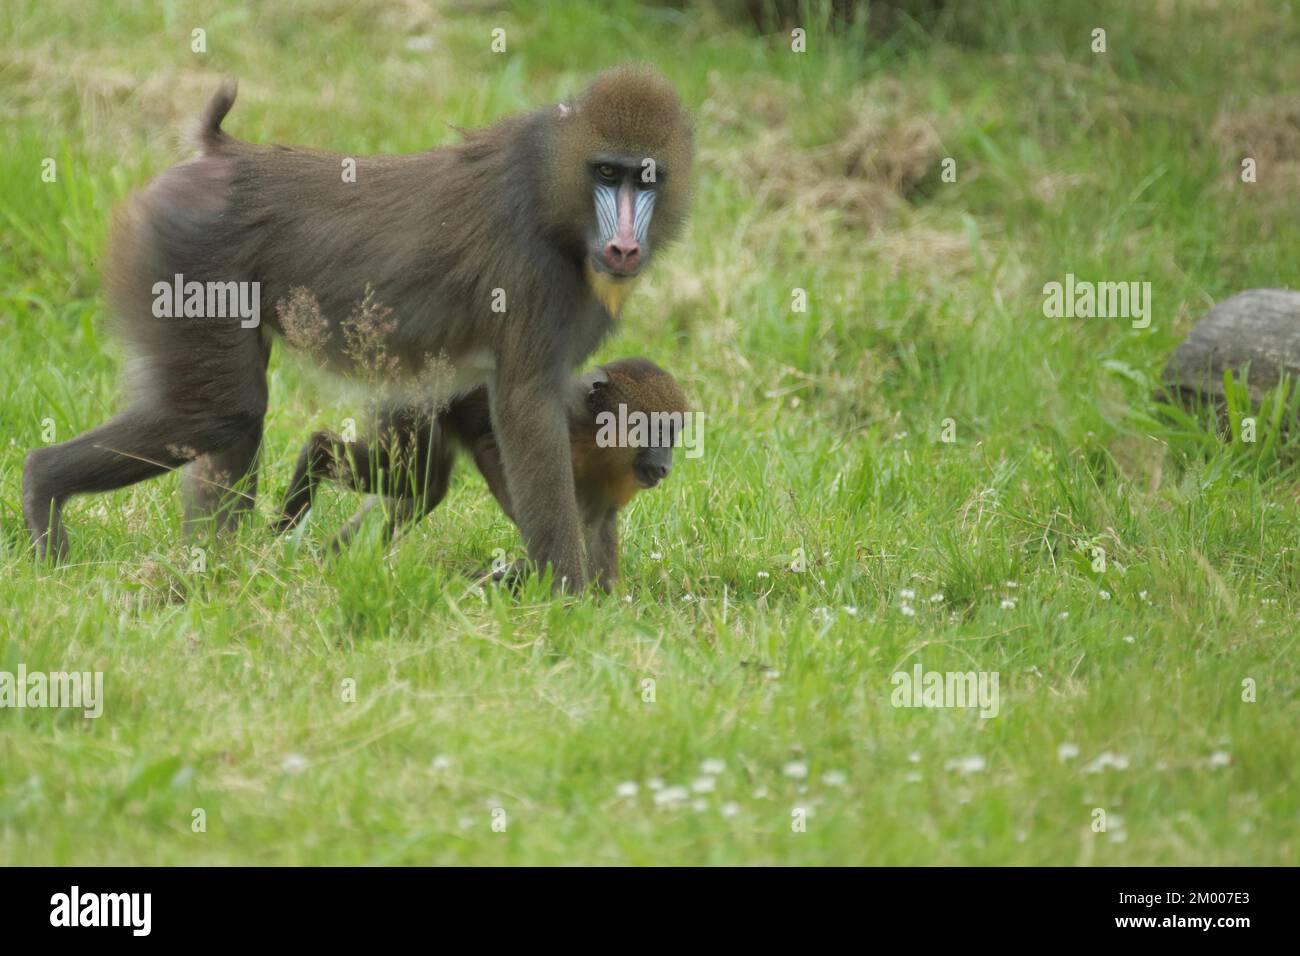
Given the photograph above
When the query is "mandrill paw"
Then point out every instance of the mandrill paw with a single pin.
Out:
(510, 575)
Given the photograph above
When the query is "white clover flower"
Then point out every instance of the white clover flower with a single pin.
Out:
(1107, 759)
(627, 789)
(704, 785)
(795, 770)
(965, 765)
(713, 766)
(1067, 752)
(294, 763)
(669, 796)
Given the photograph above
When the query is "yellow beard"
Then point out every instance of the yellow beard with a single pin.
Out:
(611, 292)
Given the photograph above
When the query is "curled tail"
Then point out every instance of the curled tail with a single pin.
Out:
(209, 135)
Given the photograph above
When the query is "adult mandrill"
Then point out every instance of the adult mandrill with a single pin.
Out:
(504, 260)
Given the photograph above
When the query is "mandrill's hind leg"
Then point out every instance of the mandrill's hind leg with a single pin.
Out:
(409, 489)
(117, 453)
(205, 405)
(137, 444)
(221, 486)
(408, 467)
(398, 513)
(327, 458)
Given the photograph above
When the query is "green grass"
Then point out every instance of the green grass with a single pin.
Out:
(225, 687)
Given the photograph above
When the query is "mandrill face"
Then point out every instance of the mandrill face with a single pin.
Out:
(617, 178)
(623, 192)
(653, 463)
(649, 410)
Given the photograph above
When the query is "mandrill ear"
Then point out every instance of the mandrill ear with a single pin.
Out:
(587, 388)
(594, 380)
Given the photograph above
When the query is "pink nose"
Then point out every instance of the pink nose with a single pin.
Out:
(622, 254)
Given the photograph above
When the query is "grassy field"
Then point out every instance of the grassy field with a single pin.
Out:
(827, 538)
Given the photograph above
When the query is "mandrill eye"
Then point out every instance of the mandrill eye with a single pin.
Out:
(607, 172)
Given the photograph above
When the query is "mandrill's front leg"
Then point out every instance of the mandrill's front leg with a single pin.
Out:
(531, 426)
(602, 550)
